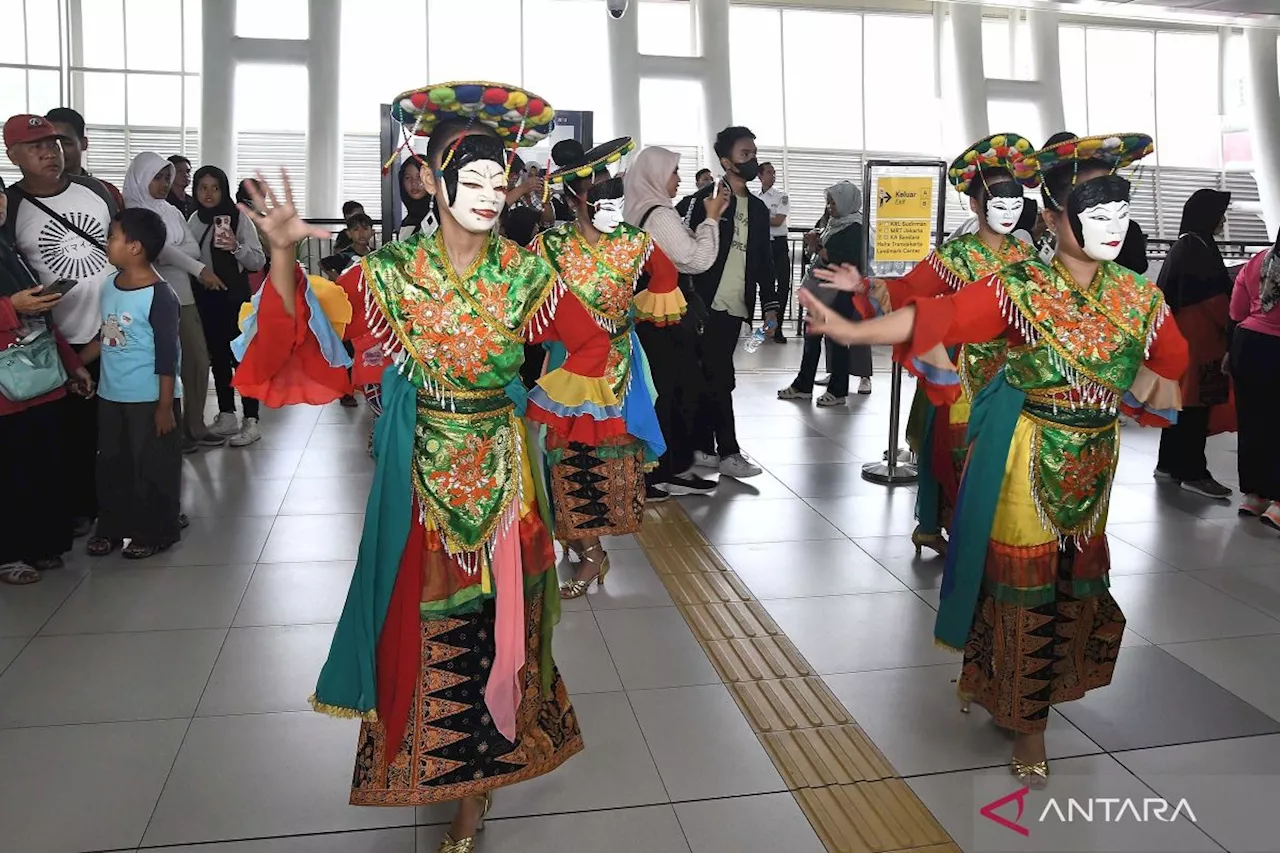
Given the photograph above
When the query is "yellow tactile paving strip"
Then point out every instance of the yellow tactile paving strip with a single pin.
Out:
(850, 793)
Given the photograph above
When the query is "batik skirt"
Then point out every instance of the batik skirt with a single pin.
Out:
(451, 749)
(1046, 630)
(596, 491)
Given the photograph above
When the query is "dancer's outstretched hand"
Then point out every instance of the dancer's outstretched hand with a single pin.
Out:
(279, 223)
(844, 277)
(821, 320)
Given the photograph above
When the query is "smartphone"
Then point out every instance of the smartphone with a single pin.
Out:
(59, 287)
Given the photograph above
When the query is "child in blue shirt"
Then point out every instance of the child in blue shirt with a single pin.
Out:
(139, 446)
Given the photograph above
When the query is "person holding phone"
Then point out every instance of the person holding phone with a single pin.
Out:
(230, 246)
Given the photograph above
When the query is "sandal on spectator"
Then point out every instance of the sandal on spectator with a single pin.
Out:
(18, 574)
(101, 547)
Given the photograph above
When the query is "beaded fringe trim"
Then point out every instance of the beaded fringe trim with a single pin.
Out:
(370, 716)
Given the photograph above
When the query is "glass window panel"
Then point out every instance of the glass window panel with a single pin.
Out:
(824, 107)
(44, 91)
(13, 91)
(1235, 100)
(153, 34)
(1189, 131)
(44, 37)
(671, 112)
(278, 19)
(665, 27)
(1022, 117)
(191, 32)
(1075, 91)
(902, 115)
(1022, 58)
(155, 100)
(103, 96)
(472, 41)
(12, 48)
(102, 27)
(258, 105)
(546, 22)
(996, 60)
(1120, 66)
(755, 71)
(191, 106)
(364, 47)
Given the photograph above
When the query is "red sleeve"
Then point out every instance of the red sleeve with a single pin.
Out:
(283, 364)
(1169, 355)
(369, 359)
(926, 279)
(661, 302)
(1155, 398)
(663, 276)
(587, 344)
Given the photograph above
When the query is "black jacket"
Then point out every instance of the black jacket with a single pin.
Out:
(760, 271)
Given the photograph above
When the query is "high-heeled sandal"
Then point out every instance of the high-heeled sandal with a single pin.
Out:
(466, 845)
(1034, 776)
(578, 588)
(933, 541)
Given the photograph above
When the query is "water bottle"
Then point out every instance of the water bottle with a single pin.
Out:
(754, 340)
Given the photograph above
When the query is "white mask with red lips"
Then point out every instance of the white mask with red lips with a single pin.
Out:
(480, 195)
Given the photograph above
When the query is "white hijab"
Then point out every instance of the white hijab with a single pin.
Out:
(646, 182)
(137, 193)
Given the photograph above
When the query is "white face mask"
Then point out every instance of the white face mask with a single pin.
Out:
(480, 196)
(607, 215)
(1003, 213)
(1103, 228)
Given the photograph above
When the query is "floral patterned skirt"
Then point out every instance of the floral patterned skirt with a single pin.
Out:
(451, 748)
(596, 491)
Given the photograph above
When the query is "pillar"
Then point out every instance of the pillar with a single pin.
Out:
(971, 78)
(1046, 63)
(624, 72)
(1264, 102)
(217, 82)
(712, 17)
(324, 131)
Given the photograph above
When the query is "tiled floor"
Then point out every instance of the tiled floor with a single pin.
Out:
(161, 705)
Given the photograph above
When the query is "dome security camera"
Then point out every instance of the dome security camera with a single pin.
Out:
(617, 8)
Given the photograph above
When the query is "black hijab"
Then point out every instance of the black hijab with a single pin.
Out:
(14, 275)
(226, 207)
(1194, 270)
(416, 209)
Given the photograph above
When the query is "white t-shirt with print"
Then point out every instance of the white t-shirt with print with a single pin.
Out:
(54, 251)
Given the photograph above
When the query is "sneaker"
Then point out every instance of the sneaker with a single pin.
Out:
(790, 393)
(189, 446)
(864, 385)
(705, 460)
(1271, 518)
(779, 338)
(1208, 487)
(689, 484)
(654, 495)
(829, 399)
(225, 424)
(1161, 474)
(739, 467)
(249, 433)
(1253, 505)
(348, 401)
(826, 380)
(210, 439)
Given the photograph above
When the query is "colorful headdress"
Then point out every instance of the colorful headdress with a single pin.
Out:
(1118, 150)
(521, 118)
(583, 164)
(1007, 151)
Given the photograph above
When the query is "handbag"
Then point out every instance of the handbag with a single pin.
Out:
(31, 367)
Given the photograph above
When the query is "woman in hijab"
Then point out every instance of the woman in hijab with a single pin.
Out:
(650, 185)
(1255, 374)
(416, 199)
(36, 524)
(146, 184)
(1197, 290)
(229, 244)
(839, 243)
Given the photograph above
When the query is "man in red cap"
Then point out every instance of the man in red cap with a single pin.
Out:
(59, 223)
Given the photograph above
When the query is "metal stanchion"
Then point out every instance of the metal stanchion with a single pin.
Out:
(891, 472)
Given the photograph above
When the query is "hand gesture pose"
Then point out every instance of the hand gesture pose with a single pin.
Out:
(716, 203)
(279, 223)
(844, 277)
(30, 301)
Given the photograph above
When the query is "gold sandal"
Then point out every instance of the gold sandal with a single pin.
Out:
(1034, 776)
(466, 845)
(933, 541)
(577, 588)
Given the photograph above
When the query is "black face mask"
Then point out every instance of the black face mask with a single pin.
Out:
(748, 170)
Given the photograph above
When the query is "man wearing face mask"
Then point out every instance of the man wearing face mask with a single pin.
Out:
(743, 268)
(600, 259)
(1026, 595)
(991, 174)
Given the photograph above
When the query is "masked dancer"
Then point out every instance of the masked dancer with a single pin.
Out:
(597, 468)
(444, 647)
(1025, 589)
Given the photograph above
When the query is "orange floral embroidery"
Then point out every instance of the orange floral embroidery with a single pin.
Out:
(452, 336)
(1124, 299)
(1080, 481)
(468, 481)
